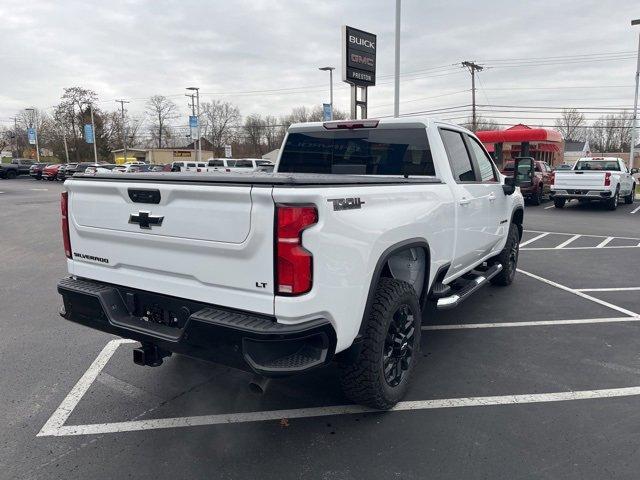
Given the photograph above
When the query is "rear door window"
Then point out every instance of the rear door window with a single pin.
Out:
(379, 151)
(459, 160)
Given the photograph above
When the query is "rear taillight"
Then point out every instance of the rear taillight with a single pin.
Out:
(64, 210)
(607, 179)
(552, 178)
(294, 264)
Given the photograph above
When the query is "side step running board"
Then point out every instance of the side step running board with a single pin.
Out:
(469, 289)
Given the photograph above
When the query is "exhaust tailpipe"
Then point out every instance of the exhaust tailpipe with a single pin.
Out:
(258, 385)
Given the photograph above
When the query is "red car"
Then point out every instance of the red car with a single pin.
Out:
(543, 178)
(50, 172)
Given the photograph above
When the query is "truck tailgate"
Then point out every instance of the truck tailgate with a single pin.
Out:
(579, 179)
(211, 242)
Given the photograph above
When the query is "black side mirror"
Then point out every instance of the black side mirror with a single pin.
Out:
(509, 186)
(634, 171)
(523, 171)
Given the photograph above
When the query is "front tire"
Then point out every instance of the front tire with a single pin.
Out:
(11, 175)
(380, 375)
(508, 258)
(559, 202)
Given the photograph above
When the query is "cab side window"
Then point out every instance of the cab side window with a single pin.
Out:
(485, 165)
(459, 160)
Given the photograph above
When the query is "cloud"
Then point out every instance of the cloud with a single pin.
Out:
(134, 49)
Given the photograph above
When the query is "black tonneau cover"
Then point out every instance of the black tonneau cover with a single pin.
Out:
(257, 178)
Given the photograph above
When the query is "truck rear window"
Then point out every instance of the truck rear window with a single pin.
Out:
(597, 165)
(385, 151)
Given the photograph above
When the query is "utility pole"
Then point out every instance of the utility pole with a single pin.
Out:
(635, 104)
(330, 70)
(124, 135)
(396, 91)
(15, 136)
(473, 67)
(64, 140)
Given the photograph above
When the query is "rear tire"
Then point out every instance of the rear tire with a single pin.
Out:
(508, 258)
(612, 203)
(559, 202)
(537, 198)
(629, 199)
(11, 175)
(381, 373)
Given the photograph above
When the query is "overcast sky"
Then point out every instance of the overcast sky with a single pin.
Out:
(137, 48)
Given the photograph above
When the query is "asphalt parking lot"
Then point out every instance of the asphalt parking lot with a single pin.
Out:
(538, 380)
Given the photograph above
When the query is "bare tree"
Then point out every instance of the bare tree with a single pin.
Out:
(222, 119)
(482, 123)
(72, 112)
(161, 110)
(571, 124)
(254, 128)
(5, 138)
(611, 133)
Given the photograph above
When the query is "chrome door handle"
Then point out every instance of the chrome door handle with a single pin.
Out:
(464, 201)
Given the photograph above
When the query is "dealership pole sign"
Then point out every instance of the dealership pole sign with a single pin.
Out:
(358, 66)
(359, 57)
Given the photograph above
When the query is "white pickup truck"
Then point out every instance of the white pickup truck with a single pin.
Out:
(603, 179)
(334, 257)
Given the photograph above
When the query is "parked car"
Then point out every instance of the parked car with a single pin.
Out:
(18, 166)
(50, 172)
(101, 168)
(282, 274)
(35, 171)
(602, 179)
(563, 166)
(184, 166)
(541, 185)
(244, 165)
(62, 171)
(220, 164)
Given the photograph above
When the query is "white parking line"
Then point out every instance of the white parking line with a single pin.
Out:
(39, 189)
(77, 392)
(539, 323)
(550, 206)
(613, 289)
(582, 234)
(531, 240)
(580, 294)
(564, 244)
(635, 210)
(578, 248)
(604, 242)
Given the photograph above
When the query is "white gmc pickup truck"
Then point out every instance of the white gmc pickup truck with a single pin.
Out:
(332, 258)
(602, 179)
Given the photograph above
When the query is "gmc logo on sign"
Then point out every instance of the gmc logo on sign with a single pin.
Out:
(362, 59)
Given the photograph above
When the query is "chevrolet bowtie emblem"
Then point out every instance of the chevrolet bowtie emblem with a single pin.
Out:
(145, 219)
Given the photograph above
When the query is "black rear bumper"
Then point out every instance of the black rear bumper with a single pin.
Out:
(230, 337)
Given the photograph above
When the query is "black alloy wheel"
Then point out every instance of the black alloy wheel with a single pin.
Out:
(399, 345)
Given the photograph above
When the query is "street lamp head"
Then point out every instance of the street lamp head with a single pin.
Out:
(29, 109)
(193, 88)
(326, 69)
(635, 22)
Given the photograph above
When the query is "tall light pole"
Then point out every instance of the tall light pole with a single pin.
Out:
(124, 135)
(330, 70)
(34, 119)
(635, 103)
(396, 80)
(197, 90)
(95, 137)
